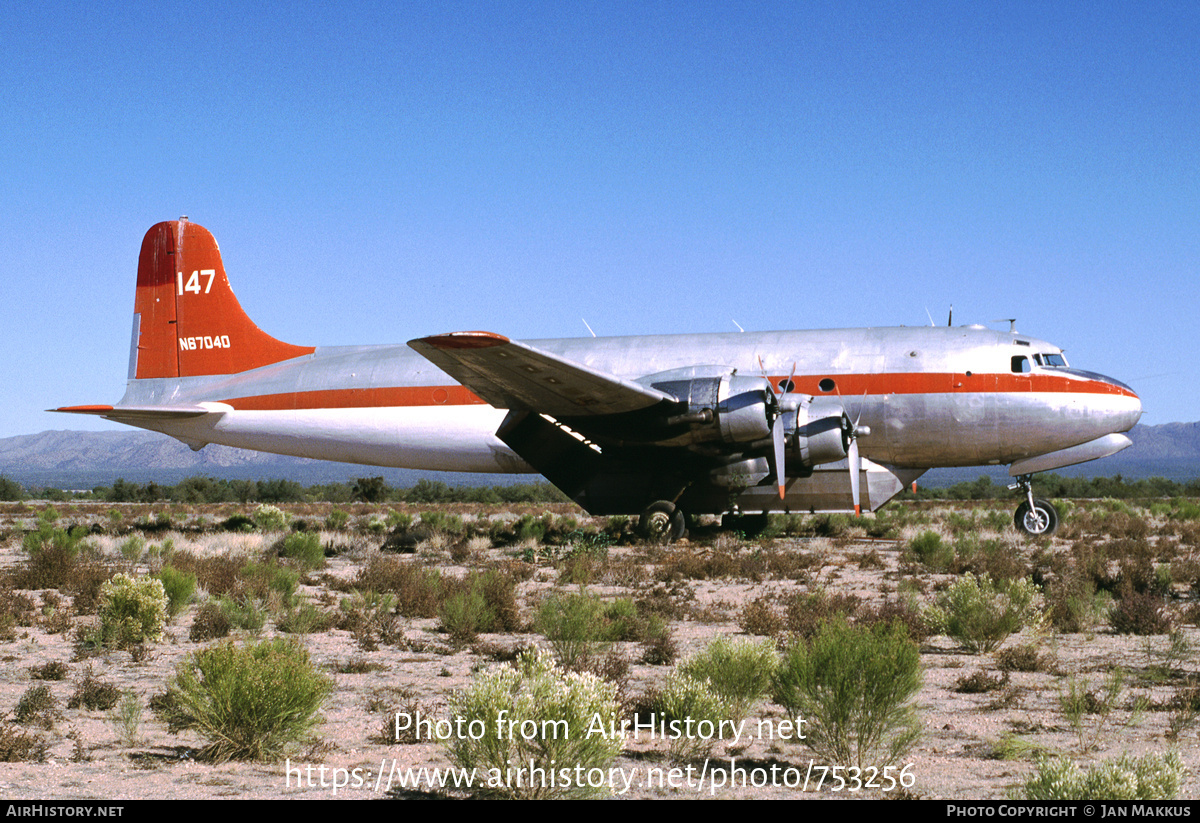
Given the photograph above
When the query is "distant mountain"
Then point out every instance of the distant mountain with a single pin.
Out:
(82, 460)
(85, 459)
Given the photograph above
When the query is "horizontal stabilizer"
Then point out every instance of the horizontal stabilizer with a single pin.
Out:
(138, 412)
(512, 375)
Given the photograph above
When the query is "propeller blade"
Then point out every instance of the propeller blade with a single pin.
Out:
(855, 468)
(777, 460)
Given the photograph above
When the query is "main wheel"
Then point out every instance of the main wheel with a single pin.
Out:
(1040, 521)
(662, 522)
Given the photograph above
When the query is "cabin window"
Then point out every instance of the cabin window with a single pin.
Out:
(1020, 364)
(827, 385)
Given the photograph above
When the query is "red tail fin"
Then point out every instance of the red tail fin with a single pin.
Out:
(187, 321)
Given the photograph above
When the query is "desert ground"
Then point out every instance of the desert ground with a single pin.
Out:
(1113, 624)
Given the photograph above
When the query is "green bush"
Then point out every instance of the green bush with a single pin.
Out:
(179, 587)
(305, 548)
(270, 518)
(246, 612)
(578, 627)
(693, 712)
(855, 687)
(740, 672)
(981, 614)
(336, 520)
(132, 610)
(1153, 777)
(534, 713)
(465, 614)
(250, 702)
(133, 547)
(932, 551)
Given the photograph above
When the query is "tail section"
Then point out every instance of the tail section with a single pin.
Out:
(187, 321)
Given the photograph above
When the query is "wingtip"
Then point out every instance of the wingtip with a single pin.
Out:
(94, 409)
(464, 340)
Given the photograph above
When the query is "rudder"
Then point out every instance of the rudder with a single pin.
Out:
(187, 321)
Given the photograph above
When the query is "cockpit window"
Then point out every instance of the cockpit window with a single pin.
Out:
(1048, 359)
(1020, 364)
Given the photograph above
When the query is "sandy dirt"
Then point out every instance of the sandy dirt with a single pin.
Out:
(89, 758)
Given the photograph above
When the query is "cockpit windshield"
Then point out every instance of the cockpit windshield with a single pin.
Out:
(1050, 359)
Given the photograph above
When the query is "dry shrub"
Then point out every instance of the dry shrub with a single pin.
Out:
(20, 746)
(997, 559)
(76, 571)
(216, 574)
(16, 609)
(806, 613)
(980, 682)
(94, 694)
(903, 612)
(37, 707)
(54, 670)
(419, 591)
(1186, 570)
(1073, 603)
(369, 618)
(1023, 658)
(1141, 613)
(685, 565)
(210, 623)
(760, 618)
(660, 649)
(670, 602)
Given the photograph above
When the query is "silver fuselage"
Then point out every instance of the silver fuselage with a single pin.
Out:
(931, 397)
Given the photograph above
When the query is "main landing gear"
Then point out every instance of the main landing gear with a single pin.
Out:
(1035, 517)
(662, 522)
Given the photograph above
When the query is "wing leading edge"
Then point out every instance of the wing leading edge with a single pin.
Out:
(512, 375)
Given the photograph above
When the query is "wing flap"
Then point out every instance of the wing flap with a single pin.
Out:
(513, 375)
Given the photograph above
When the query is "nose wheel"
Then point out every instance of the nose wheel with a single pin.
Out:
(1040, 520)
(1034, 517)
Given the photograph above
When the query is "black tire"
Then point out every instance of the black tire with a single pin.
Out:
(1041, 521)
(662, 522)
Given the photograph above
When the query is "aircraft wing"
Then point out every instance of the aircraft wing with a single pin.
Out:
(513, 375)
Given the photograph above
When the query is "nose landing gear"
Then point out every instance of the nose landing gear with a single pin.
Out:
(1034, 517)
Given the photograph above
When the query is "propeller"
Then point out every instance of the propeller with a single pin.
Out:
(778, 432)
(853, 430)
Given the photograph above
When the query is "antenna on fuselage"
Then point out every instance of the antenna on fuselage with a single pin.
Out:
(930, 316)
(739, 325)
(1011, 321)
(950, 317)
(589, 328)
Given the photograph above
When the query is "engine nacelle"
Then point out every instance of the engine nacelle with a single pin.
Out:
(728, 408)
(745, 409)
(817, 431)
(739, 410)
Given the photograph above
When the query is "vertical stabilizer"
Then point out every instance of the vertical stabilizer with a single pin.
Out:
(187, 321)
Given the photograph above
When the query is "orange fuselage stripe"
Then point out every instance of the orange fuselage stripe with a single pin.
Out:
(846, 385)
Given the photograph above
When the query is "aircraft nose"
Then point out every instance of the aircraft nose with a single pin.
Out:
(1124, 407)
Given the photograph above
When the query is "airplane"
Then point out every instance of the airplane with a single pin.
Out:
(664, 427)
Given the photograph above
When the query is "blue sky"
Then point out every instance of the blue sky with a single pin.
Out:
(377, 172)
